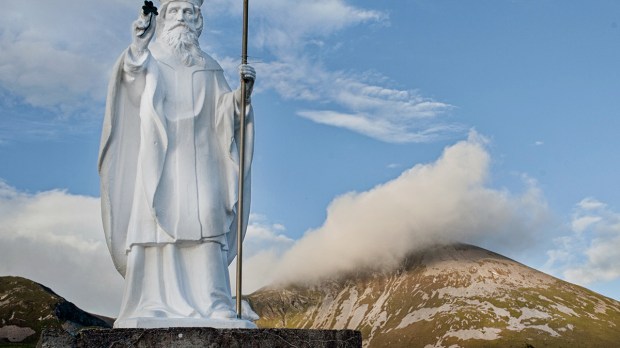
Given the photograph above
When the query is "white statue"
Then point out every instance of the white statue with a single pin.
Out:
(169, 172)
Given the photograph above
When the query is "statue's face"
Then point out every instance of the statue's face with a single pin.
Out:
(180, 30)
(179, 13)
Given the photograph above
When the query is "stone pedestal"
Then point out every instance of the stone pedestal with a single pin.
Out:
(201, 337)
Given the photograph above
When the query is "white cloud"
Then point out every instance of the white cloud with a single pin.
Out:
(56, 238)
(445, 201)
(263, 247)
(590, 253)
(262, 235)
(591, 204)
(580, 224)
(284, 27)
(57, 54)
(55, 58)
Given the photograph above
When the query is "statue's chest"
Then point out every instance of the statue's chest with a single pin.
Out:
(186, 90)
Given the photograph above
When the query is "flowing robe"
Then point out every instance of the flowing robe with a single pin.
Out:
(169, 155)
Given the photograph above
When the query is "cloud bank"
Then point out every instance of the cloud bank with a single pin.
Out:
(56, 239)
(441, 202)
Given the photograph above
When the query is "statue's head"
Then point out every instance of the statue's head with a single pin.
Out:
(179, 24)
(173, 12)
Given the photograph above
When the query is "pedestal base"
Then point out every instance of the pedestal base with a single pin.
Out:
(201, 337)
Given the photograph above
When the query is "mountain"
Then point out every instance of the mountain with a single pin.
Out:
(449, 296)
(26, 307)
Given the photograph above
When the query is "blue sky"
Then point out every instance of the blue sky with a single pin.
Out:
(497, 119)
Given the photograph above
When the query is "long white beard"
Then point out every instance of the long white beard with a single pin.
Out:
(184, 44)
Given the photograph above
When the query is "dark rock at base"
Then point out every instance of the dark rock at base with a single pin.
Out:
(201, 337)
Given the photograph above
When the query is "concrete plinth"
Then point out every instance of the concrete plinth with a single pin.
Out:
(201, 337)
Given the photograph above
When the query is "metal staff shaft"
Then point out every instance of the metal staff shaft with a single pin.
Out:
(244, 60)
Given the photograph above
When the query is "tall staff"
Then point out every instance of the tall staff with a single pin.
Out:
(244, 60)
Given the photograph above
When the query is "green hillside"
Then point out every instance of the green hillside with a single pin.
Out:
(26, 307)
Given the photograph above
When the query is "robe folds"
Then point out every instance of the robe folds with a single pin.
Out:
(169, 159)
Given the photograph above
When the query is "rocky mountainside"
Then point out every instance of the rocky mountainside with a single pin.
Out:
(26, 307)
(452, 296)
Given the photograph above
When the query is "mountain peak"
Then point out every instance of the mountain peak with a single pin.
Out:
(446, 296)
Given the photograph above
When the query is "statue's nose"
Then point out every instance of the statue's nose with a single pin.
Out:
(180, 16)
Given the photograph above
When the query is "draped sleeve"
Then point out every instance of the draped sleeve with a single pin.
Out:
(120, 147)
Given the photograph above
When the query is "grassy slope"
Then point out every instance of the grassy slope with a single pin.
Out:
(29, 304)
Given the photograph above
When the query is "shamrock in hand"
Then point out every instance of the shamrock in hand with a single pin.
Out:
(149, 8)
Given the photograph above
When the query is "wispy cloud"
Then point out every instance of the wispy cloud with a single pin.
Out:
(382, 128)
(285, 27)
(359, 102)
(294, 34)
(590, 253)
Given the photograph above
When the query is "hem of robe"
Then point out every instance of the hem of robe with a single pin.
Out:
(175, 281)
(156, 323)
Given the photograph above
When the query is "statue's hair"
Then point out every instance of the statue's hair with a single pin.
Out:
(162, 16)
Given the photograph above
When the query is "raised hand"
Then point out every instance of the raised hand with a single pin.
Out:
(144, 27)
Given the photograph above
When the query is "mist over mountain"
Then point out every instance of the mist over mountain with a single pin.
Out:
(449, 296)
(445, 201)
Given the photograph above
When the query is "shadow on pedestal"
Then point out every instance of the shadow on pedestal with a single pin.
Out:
(201, 337)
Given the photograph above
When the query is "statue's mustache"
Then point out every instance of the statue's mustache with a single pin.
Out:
(183, 25)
